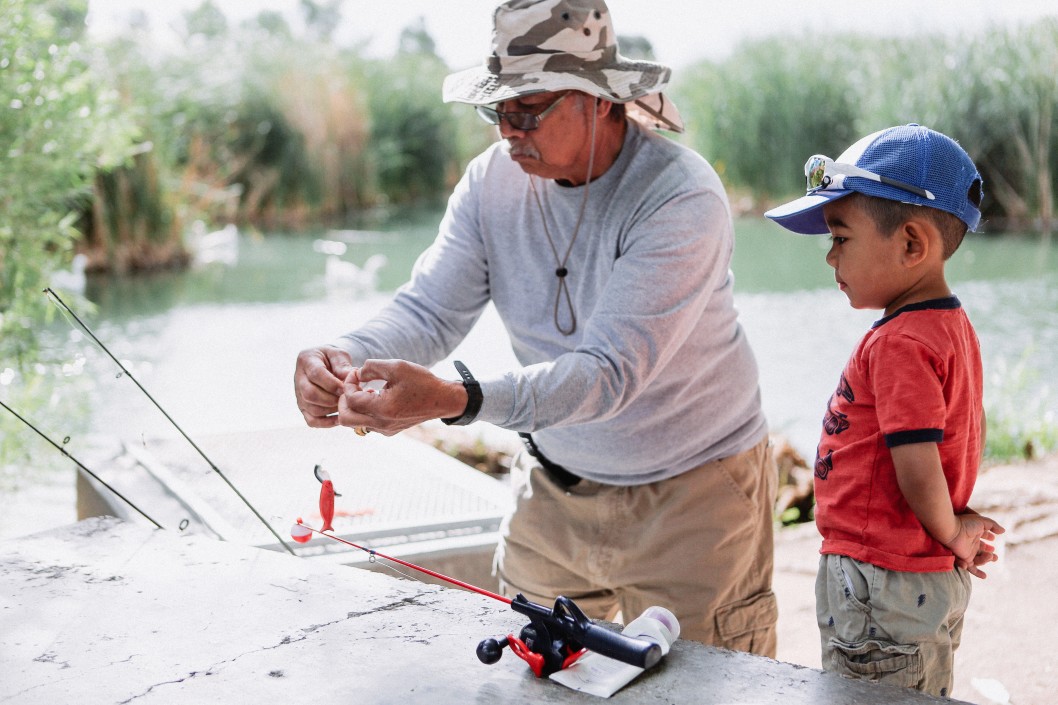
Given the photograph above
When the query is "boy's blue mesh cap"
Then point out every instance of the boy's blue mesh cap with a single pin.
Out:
(912, 154)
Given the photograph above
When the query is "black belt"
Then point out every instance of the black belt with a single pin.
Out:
(558, 473)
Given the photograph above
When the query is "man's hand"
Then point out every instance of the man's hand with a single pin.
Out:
(412, 394)
(319, 382)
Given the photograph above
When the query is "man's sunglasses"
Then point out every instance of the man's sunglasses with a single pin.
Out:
(825, 173)
(519, 121)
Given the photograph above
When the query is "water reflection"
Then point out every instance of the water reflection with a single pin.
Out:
(769, 258)
(217, 345)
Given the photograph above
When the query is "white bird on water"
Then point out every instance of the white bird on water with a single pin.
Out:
(346, 276)
(72, 279)
(220, 246)
(340, 275)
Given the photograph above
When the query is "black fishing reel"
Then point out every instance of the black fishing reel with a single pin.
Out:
(556, 637)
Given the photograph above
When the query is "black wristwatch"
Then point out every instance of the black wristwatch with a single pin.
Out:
(473, 398)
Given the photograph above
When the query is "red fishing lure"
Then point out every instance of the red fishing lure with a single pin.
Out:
(327, 495)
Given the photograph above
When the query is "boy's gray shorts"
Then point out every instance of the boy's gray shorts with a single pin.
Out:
(890, 626)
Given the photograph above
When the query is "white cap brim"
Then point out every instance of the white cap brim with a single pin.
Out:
(805, 215)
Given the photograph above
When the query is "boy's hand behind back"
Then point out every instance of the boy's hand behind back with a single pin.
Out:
(969, 544)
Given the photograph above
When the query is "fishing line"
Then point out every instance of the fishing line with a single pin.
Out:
(440, 576)
(55, 297)
(553, 639)
(387, 566)
(79, 464)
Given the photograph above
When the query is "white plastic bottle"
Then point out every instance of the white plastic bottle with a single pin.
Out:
(603, 676)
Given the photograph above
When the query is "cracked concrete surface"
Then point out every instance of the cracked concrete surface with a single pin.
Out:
(194, 620)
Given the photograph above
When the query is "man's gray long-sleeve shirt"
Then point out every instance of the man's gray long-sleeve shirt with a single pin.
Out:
(658, 377)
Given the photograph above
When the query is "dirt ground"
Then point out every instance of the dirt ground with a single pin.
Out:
(1007, 632)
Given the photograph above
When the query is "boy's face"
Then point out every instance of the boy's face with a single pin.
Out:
(867, 263)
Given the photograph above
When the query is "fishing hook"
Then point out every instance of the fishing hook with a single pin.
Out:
(316, 471)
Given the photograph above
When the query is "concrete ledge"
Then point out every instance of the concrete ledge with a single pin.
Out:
(105, 611)
(400, 496)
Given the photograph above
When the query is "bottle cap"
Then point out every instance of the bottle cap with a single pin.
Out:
(665, 617)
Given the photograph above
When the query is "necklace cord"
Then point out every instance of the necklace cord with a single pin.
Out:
(561, 271)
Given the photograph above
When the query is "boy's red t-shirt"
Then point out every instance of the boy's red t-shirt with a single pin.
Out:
(915, 377)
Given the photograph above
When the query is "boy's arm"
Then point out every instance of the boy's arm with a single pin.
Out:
(921, 479)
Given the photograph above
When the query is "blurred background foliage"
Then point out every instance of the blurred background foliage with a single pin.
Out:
(759, 113)
(114, 148)
(60, 125)
(255, 125)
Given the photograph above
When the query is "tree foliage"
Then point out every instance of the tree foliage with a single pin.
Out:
(413, 133)
(206, 20)
(58, 126)
(321, 18)
(253, 125)
(415, 39)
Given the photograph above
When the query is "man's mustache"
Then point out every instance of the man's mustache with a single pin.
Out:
(522, 149)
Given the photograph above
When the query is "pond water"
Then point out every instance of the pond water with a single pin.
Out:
(216, 345)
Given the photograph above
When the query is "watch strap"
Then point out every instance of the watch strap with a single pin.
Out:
(474, 398)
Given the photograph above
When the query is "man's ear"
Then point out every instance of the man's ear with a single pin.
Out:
(604, 107)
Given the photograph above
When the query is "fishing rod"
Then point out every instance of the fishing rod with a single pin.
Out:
(554, 638)
(55, 298)
(301, 530)
(78, 463)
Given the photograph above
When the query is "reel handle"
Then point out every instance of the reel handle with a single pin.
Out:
(490, 650)
(569, 620)
(637, 652)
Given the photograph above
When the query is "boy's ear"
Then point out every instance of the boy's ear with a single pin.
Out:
(919, 237)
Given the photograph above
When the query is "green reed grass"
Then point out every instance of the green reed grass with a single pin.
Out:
(1020, 423)
(761, 112)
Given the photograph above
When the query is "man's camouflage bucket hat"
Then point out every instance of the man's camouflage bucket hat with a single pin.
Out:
(558, 45)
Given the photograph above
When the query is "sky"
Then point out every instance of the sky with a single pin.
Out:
(681, 31)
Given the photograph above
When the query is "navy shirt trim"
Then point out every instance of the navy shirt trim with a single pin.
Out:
(921, 435)
(947, 303)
